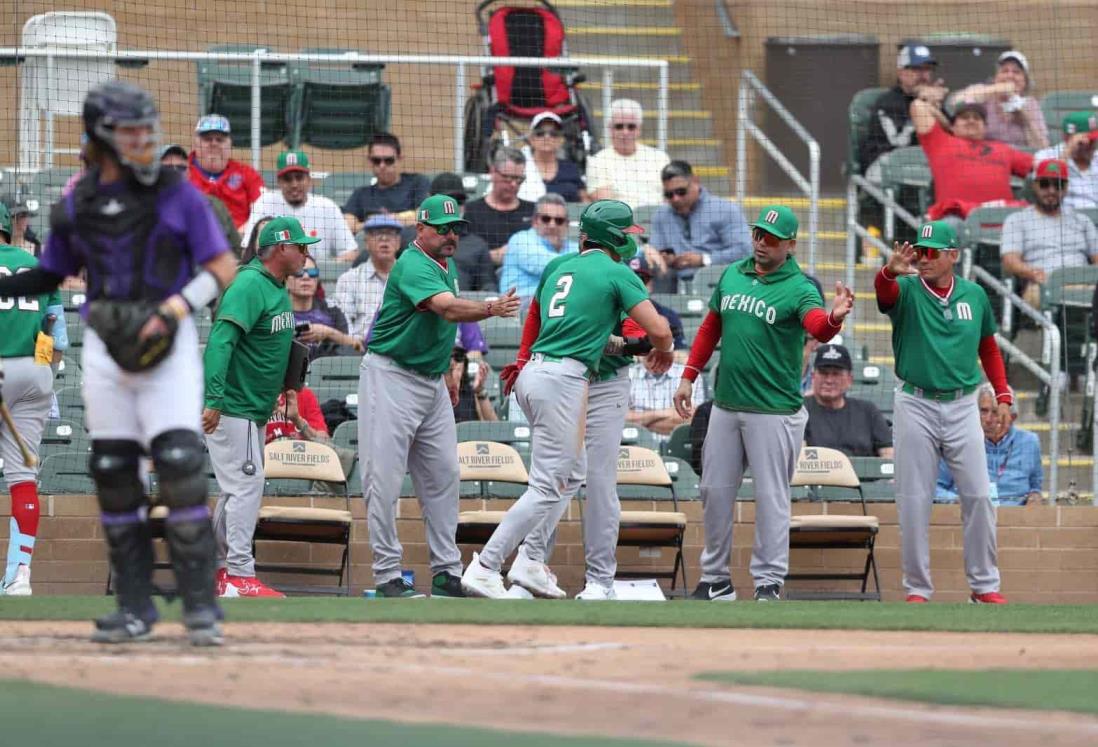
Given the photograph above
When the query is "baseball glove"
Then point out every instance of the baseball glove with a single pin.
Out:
(118, 324)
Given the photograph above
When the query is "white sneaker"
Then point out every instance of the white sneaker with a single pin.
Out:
(20, 586)
(595, 592)
(535, 577)
(478, 581)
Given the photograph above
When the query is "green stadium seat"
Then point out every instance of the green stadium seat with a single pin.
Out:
(687, 307)
(679, 444)
(634, 435)
(907, 167)
(858, 116)
(338, 185)
(1058, 104)
(1066, 300)
(346, 435)
(45, 186)
(71, 401)
(335, 370)
(66, 473)
(706, 279)
(983, 232)
(226, 88)
(338, 108)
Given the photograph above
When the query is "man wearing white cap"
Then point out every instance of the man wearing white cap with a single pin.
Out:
(213, 172)
(1012, 117)
(544, 171)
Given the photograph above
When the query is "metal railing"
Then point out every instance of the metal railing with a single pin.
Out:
(750, 86)
(261, 56)
(1052, 342)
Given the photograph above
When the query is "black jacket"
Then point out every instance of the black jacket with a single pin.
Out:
(890, 126)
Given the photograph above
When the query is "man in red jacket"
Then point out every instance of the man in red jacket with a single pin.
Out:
(211, 170)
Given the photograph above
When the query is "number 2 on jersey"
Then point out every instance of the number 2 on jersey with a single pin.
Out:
(25, 304)
(556, 303)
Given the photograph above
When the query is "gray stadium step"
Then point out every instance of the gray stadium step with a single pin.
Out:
(611, 41)
(593, 14)
(679, 96)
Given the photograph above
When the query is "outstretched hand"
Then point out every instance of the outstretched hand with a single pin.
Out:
(843, 303)
(506, 305)
(902, 261)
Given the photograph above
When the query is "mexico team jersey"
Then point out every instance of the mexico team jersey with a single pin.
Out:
(413, 336)
(936, 340)
(582, 297)
(21, 318)
(762, 339)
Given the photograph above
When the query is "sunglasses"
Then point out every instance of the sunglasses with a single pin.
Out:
(922, 251)
(311, 272)
(677, 192)
(457, 228)
(626, 126)
(765, 237)
(1051, 183)
(387, 160)
(549, 132)
(511, 178)
(180, 167)
(547, 219)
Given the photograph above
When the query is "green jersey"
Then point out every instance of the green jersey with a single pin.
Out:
(249, 346)
(936, 340)
(762, 337)
(406, 330)
(21, 318)
(582, 297)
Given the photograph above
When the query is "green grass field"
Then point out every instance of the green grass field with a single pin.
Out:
(1015, 618)
(1046, 690)
(99, 720)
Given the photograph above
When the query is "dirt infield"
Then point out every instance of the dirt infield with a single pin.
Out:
(621, 682)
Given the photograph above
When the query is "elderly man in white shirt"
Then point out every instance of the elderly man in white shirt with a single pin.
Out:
(628, 170)
(318, 215)
(359, 291)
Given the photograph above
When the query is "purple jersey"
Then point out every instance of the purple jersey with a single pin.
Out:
(136, 243)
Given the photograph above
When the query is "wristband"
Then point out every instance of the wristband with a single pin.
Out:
(202, 289)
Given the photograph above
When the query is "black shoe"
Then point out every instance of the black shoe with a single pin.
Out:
(202, 626)
(720, 591)
(123, 626)
(447, 585)
(768, 593)
(398, 588)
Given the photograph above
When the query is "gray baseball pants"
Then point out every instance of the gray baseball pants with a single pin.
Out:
(607, 406)
(925, 431)
(769, 444)
(553, 394)
(234, 442)
(406, 424)
(27, 388)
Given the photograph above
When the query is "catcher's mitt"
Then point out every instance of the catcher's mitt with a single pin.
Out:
(118, 323)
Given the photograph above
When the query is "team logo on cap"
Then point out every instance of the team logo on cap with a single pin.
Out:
(291, 159)
(424, 215)
(449, 207)
(831, 354)
(928, 231)
(282, 236)
(771, 217)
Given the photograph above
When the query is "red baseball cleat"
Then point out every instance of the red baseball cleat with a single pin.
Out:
(248, 586)
(916, 599)
(991, 597)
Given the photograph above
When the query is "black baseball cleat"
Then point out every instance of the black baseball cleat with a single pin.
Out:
(123, 626)
(447, 586)
(398, 588)
(203, 628)
(768, 593)
(721, 591)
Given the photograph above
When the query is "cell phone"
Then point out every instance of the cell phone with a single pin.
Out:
(667, 251)
(301, 329)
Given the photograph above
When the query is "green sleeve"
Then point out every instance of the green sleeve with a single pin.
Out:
(242, 304)
(219, 351)
(631, 290)
(420, 281)
(809, 299)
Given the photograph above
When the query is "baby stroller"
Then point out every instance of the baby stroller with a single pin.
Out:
(508, 95)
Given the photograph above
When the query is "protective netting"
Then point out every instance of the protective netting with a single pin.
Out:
(413, 74)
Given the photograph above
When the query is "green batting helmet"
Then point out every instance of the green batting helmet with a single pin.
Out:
(609, 223)
(5, 220)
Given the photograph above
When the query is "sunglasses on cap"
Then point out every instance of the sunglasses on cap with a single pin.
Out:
(387, 160)
(625, 126)
(311, 272)
(546, 132)
(547, 219)
(765, 237)
(1050, 183)
(457, 228)
(676, 192)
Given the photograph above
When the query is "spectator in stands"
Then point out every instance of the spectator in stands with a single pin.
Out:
(968, 169)
(545, 170)
(1013, 117)
(359, 291)
(500, 214)
(321, 326)
(251, 247)
(1046, 236)
(297, 415)
(890, 124)
(693, 228)
(1077, 149)
(212, 170)
(674, 321)
(651, 398)
(174, 157)
(476, 269)
(21, 234)
(471, 378)
(629, 170)
(1013, 459)
(319, 216)
(529, 251)
(853, 426)
(393, 191)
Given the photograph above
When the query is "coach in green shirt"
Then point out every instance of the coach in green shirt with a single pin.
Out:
(245, 362)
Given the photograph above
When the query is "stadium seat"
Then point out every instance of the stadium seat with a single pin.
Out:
(858, 116)
(338, 108)
(982, 233)
(907, 167)
(498, 471)
(687, 307)
(346, 435)
(307, 460)
(1057, 104)
(817, 468)
(45, 186)
(635, 435)
(335, 370)
(639, 467)
(339, 185)
(65, 473)
(706, 279)
(226, 88)
(1066, 301)
(679, 444)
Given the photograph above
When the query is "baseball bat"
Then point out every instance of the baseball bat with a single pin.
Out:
(28, 458)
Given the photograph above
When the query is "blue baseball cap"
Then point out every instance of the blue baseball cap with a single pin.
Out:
(380, 220)
(915, 54)
(213, 123)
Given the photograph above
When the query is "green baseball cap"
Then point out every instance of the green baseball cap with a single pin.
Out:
(292, 160)
(439, 210)
(285, 229)
(1077, 122)
(937, 234)
(777, 220)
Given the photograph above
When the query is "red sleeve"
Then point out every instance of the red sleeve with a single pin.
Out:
(1021, 163)
(629, 328)
(705, 342)
(309, 408)
(817, 323)
(934, 139)
(253, 185)
(530, 330)
(992, 361)
(888, 290)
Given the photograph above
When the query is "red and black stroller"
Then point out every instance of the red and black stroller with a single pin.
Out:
(508, 95)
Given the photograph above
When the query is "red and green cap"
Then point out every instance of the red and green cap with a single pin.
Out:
(777, 220)
(937, 234)
(1077, 122)
(292, 160)
(439, 210)
(285, 229)
(1052, 168)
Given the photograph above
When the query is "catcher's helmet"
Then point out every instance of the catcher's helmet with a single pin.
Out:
(117, 103)
(609, 223)
(5, 221)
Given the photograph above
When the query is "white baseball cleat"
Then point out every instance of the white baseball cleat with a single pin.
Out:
(535, 577)
(596, 592)
(20, 586)
(478, 581)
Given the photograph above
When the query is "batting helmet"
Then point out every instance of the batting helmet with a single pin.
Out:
(117, 103)
(5, 221)
(609, 223)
